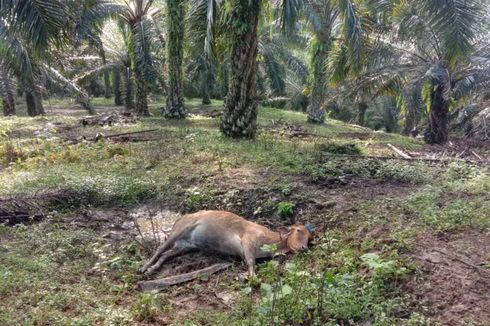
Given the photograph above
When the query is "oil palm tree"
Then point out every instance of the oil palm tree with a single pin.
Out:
(140, 18)
(239, 118)
(174, 108)
(321, 16)
(7, 90)
(34, 34)
(203, 24)
(441, 46)
(240, 113)
(280, 65)
(27, 29)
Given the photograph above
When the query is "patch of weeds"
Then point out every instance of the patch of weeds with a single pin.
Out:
(376, 169)
(11, 153)
(383, 271)
(341, 148)
(286, 190)
(405, 239)
(444, 213)
(299, 296)
(194, 199)
(285, 209)
(53, 264)
(83, 185)
(146, 307)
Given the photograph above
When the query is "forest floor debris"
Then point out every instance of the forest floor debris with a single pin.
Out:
(109, 119)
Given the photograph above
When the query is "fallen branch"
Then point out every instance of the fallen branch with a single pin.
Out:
(164, 283)
(125, 134)
(461, 260)
(131, 133)
(400, 152)
(478, 156)
(18, 217)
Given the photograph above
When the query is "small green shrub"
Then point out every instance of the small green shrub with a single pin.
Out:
(341, 148)
(146, 307)
(194, 198)
(11, 153)
(285, 209)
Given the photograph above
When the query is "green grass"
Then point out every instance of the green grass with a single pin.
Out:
(59, 276)
(56, 273)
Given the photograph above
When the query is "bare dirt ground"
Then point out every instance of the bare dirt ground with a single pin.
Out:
(454, 292)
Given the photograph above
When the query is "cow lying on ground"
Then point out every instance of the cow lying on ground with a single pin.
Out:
(226, 233)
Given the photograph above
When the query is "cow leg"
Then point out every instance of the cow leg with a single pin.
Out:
(249, 257)
(175, 251)
(160, 250)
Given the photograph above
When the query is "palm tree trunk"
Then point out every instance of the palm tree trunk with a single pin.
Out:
(39, 103)
(34, 101)
(437, 129)
(8, 93)
(362, 108)
(129, 96)
(141, 96)
(411, 120)
(207, 82)
(175, 98)
(107, 77)
(316, 110)
(116, 75)
(84, 101)
(239, 118)
(31, 104)
(206, 96)
(34, 104)
(8, 106)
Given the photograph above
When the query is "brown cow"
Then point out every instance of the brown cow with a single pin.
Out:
(226, 233)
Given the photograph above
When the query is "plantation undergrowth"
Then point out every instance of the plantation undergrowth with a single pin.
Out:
(365, 264)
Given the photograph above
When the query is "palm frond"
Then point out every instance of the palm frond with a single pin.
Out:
(456, 22)
(42, 21)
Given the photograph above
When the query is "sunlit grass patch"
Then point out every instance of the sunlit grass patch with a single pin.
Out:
(45, 277)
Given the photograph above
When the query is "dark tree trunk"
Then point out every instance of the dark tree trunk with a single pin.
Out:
(362, 107)
(84, 101)
(411, 120)
(128, 96)
(239, 118)
(8, 105)
(141, 96)
(118, 98)
(207, 82)
(174, 108)
(316, 110)
(225, 72)
(206, 96)
(107, 77)
(31, 104)
(8, 92)
(437, 129)
(39, 103)
(261, 85)
(34, 101)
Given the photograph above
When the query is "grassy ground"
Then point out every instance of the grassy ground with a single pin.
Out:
(373, 259)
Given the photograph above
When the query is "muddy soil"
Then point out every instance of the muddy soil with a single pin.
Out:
(453, 292)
